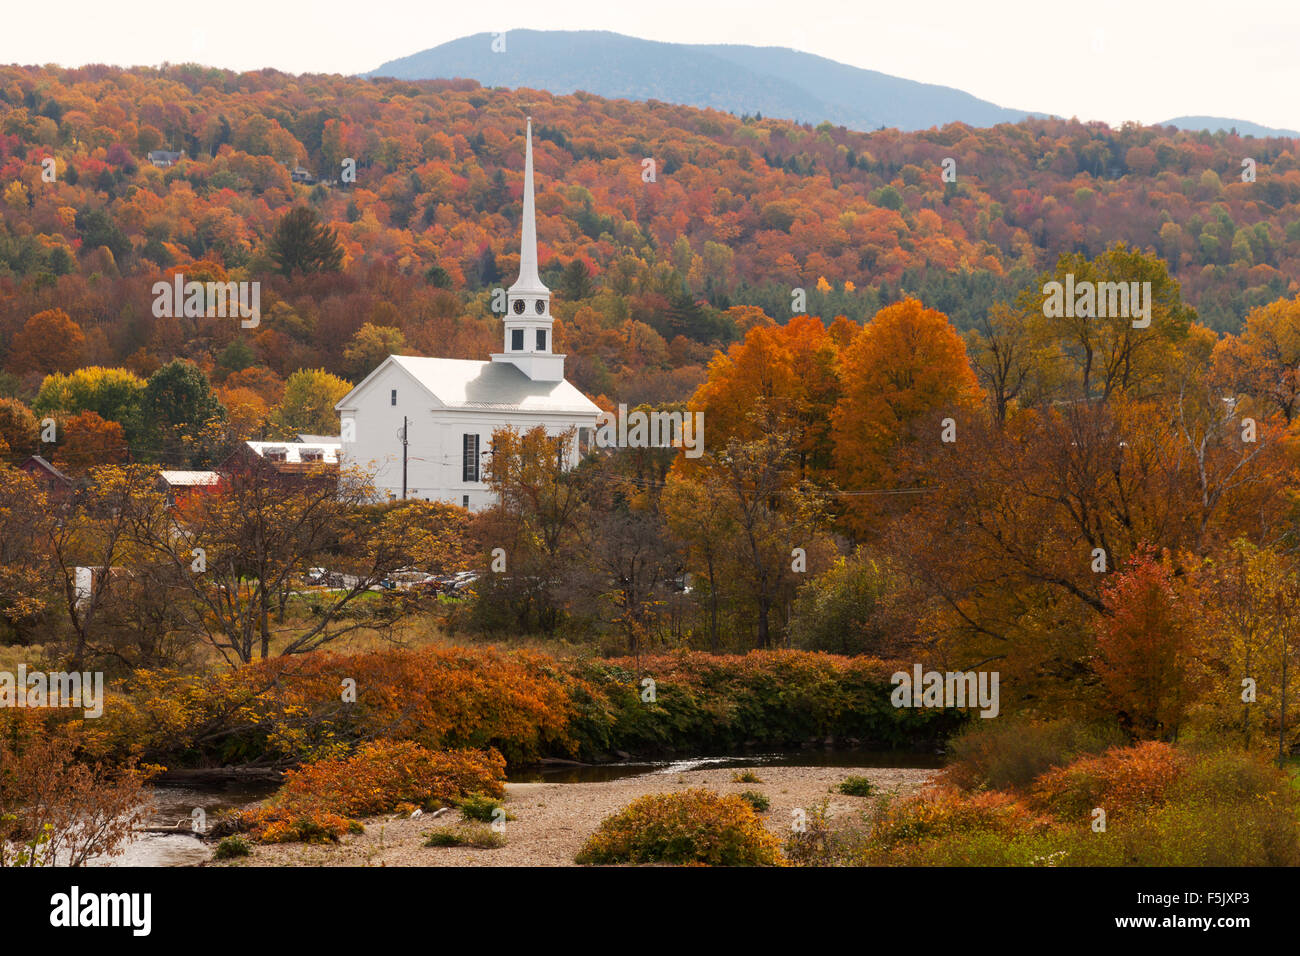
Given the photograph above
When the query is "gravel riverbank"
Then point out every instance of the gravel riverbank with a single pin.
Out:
(552, 820)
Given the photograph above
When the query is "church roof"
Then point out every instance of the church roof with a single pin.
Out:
(483, 386)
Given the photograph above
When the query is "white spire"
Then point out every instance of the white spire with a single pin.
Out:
(529, 280)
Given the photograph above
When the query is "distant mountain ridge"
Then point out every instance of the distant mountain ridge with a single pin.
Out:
(1215, 123)
(773, 81)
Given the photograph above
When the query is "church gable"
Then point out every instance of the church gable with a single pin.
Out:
(389, 374)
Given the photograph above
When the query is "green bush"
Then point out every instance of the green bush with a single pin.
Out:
(231, 847)
(856, 786)
(1010, 754)
(479, 837)
(746, 776)
(480, 807)
(694, 826)
(758, 801)
(845, 610)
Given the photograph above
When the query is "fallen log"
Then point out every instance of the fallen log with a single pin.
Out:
(219, 774)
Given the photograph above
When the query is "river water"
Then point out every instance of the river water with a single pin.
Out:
(171, 804)
(176, 803)
(601, 773)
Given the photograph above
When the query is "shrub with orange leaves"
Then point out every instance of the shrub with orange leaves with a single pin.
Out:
(695, 826)
(941, 812)
(525, 705)
(289, 709)
(1120, 781)
(321, 801)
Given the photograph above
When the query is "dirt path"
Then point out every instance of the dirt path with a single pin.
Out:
(553, 819)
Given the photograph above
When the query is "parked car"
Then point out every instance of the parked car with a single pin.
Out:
(462, 581)
(323, 577)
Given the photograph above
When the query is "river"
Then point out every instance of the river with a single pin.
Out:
(174, 803)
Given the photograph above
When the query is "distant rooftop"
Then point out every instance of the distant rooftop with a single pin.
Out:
(189, 478)
(295, 452)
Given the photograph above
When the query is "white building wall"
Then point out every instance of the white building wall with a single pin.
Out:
(435, 459)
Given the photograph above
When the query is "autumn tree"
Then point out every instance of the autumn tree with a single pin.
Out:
(58, 808)
(50, 341)
(1144, 641)
(86, 440)
(540, 500)
(1263, 361)
(902, 376)
(704, 529)
(308, 404)
(370, 346)
(19, 430)
(238, 552)
(628, 556)
(791, 372)
(1092, 355)
(113, 394)
(98, 532)
(1249, 639)
(26, 517)
(850, 609)
(1002, 355)
(776, 521)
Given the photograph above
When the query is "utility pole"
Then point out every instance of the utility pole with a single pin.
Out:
(404, 427)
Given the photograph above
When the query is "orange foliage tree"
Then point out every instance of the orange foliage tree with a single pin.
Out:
(1143, 644)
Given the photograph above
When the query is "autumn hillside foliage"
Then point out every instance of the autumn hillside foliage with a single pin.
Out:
(742, 210)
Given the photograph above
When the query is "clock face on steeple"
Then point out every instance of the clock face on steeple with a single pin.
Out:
(519, 306)
(540, 306)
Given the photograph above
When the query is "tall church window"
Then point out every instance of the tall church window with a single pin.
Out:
(541, 340)
(516, 340)
(470, 469)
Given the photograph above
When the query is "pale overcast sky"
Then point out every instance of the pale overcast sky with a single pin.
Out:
(1112, 60)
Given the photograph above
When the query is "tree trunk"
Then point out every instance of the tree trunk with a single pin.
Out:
(713, 610)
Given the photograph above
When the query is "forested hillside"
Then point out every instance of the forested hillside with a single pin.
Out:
(741, 210)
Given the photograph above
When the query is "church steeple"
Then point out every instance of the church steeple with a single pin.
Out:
(528, 302)
(528, 281)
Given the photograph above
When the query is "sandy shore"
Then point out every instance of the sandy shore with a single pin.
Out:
(551, 820)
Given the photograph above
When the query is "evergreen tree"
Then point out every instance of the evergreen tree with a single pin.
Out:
(302, 243)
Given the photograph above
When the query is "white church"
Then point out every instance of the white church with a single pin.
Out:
(448, 408)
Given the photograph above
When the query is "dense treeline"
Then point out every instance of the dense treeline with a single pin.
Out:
(740, 212)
